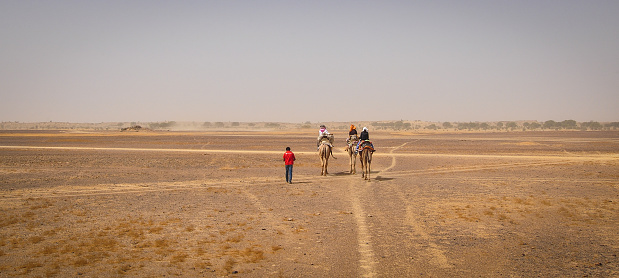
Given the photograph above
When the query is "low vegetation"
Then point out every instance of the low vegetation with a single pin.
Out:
(400, 125)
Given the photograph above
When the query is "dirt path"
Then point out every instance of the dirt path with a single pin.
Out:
(575, 157)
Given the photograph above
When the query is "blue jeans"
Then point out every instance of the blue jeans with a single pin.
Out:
(288, 173)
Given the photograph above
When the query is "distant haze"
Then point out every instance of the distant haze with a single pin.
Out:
(297, 61)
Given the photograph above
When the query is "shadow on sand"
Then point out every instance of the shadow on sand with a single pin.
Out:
(338, 174)
(380, 178)
(300, 182)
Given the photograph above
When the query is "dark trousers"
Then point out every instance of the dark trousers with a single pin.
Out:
(288, 173)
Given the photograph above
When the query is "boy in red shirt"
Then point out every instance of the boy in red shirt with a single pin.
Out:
(289, 161)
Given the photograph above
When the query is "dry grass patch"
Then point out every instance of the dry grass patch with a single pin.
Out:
(229, 264)
(36, 239)
(103, 244)
(8, 221)
(162, 243)
(235, 238)
(48, 250)
(252, 254)
(179, 258)
(155, 230)
(42, 205)
(28, 215)
(28, 266)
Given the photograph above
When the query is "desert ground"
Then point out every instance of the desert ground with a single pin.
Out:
(216, 204)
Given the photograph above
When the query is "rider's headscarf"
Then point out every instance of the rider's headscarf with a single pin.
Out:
(352, 127)
(323, 128)
(365, 128)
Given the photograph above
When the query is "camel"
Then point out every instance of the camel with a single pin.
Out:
(324, 151)
(366, 161)
(352, 144)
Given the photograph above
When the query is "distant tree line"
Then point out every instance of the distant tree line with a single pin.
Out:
(207, 125)
(163, 125)
(509, 125)
(398, 125)
(547, 125)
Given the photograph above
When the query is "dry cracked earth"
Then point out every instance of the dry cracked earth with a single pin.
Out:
(196, 204)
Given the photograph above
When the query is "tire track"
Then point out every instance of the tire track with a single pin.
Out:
(367, 260)
(393, 160)
(118, 189)
(436, 255)
(472, 169)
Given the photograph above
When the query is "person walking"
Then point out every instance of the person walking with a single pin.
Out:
(288, 162)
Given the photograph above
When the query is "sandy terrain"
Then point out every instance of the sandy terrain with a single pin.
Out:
(193, 204)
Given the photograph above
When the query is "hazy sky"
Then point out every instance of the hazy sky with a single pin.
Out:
(297, 61)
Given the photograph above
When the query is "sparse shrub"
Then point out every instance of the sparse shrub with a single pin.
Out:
(229, 264)
(179, 258)
(236, 238)
(161, 243)
(29, 266)
(36, 239)
(252, 255)
(80, 262)
(432, 126)
(28, 215)
(49, 249)
(124, 268)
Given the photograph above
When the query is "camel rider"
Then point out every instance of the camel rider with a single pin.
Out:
(364, 137)
(323, 134)
(352, 136)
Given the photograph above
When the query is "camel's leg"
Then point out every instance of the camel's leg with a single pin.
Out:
(365, 165)
(361, 161)
(369, 166)
(362, 167)
(326, 164)
(350, 162)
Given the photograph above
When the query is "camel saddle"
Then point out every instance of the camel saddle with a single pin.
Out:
(366, 145)
(327, 139)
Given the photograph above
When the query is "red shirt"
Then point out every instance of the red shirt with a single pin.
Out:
(289, 158)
